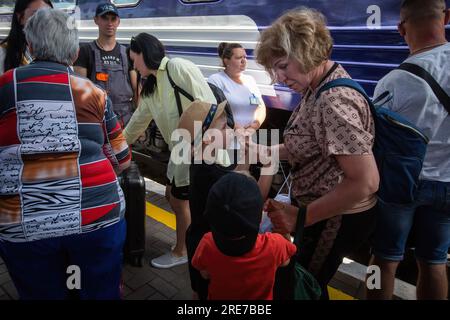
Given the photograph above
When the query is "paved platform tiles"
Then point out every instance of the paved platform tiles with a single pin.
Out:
(148, 283)
(347, 284)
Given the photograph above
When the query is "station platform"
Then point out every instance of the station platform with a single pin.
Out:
(148, 283)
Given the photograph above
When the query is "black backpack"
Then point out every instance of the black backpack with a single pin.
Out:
(218, 94)
(400, 146)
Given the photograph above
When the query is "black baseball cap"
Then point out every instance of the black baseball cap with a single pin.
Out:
(234, 209)
(105, 8)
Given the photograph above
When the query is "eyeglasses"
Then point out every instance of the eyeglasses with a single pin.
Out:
(402, 22)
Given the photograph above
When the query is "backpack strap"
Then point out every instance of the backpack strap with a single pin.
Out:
(300, 227)
(124, 58)
(97, 65)
(345, 82)
(425, 75)
(177, 91)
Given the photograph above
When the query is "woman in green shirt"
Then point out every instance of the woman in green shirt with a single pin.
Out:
(158, 103)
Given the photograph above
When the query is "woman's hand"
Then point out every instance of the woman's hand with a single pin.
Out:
(254, 125)
(248, 153)
(282, 215)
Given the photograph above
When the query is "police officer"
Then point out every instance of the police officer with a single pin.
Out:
(105, 62)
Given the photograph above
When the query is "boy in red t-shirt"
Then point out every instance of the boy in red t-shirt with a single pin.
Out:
(239, 262)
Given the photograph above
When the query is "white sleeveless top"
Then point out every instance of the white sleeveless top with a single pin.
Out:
(243, 98)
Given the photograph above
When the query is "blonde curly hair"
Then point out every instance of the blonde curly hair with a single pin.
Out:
(301, 34)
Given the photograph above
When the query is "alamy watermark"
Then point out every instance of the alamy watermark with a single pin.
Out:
(74, 19)
(239, 146)
(74, 279)
(374, 20)
(373, 280)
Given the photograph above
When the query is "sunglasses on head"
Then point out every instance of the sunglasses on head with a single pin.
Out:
(135, 43)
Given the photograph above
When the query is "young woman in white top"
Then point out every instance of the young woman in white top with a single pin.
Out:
(240, 90)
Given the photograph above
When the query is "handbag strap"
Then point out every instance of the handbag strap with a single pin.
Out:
(425, 75)
(300, 227)
(177, 90)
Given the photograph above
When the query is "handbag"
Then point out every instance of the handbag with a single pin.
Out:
(294, 282)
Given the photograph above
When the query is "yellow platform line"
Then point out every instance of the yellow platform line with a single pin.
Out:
(168, 219)
(335, 294)
(161, 215)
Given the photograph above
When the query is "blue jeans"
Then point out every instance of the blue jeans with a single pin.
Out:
(39, 269)
(430, 214)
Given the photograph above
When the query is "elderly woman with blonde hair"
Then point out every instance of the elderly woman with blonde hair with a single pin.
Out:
(327, 141)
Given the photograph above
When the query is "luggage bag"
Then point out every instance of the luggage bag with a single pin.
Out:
(133, 186)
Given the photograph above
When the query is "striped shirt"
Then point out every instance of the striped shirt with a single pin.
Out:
(60, 149)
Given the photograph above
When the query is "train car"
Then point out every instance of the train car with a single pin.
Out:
(366, 41)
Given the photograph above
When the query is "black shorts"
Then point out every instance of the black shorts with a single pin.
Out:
(181, 193)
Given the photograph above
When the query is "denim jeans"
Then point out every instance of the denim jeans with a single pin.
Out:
(430, 214)
(39, 269)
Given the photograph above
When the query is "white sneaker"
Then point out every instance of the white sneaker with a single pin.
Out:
(168, 260)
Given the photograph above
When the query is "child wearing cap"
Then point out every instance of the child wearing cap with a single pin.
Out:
(240, 262)
(211, 140)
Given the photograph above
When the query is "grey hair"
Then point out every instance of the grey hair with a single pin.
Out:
(52, 36)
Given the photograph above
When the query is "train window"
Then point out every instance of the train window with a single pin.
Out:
(198, 1)
(64, 4)
(7, 6)
(124, 3)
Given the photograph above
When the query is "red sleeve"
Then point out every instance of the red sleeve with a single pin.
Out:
(282, 248)
(198, 260)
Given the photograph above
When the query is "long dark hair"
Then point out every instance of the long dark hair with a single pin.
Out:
(15, 42)
(225, 50)
(153, 52)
